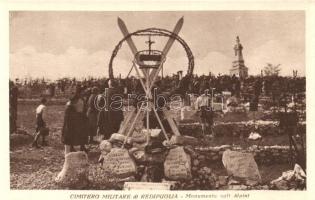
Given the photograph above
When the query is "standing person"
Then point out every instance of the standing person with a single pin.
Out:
(13, 101)
(85, 97)
(288, 123)
(92, 114)
(41, 129)
(75, 127)
(110, 118)
(115, 98)
(52, 89)
(206, 114)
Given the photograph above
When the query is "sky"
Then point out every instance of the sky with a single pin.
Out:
(55, 44)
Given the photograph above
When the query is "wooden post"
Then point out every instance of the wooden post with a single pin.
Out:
(162, 127)
(130, 132)
(171, 123)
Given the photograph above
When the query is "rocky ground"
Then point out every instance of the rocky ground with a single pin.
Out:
(37, 168)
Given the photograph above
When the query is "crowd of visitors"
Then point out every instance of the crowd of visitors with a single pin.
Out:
(197, 84)
(83, 120)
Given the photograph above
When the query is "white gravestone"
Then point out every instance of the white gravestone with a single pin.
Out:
(241, 165)
(119, 163)
(177, 165)
(75, 170)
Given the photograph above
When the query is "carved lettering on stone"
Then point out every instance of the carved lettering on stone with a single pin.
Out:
(177, 165)
(119, 163)
(241, 165)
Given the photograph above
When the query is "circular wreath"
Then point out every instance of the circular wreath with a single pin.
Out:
(153, 32)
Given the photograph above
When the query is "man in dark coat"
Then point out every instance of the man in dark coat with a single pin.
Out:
(92, 113)
(111, 116)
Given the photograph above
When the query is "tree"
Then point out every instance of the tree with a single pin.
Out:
(272, 70)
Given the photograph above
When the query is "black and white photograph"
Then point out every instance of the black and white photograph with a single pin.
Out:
(157, 100)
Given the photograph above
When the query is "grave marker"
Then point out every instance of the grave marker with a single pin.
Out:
(119, 163)
(74, 173)
(241, 165)
(177, 165)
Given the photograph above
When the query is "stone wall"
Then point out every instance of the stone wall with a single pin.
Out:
(264, 128)
(265, 155)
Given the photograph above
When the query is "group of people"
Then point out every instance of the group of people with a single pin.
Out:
(271, 85)
(83, 120)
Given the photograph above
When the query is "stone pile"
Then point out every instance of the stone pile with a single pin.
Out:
(290, 180)
(202, 179)
(116, 164)
(240, 174)
(137, 163)
(102, 179)
(185, 166)
(205, 178)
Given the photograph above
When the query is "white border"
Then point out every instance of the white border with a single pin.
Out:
(93, 5)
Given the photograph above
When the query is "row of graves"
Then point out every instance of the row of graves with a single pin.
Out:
(139, 157)
(173, 166)
(150, 159)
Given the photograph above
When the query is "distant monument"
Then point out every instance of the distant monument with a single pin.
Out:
(238, 68)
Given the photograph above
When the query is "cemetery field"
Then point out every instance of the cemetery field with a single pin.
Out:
(32, 168)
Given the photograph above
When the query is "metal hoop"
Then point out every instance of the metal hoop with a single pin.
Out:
(153, 32)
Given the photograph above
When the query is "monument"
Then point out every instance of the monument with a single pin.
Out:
(238, 67)
(174, 164)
